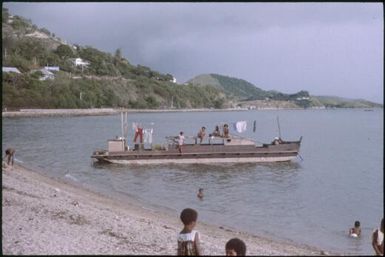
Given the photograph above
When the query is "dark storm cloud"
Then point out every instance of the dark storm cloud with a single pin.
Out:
(325, 48)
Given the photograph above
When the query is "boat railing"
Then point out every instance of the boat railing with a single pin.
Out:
(173, 140)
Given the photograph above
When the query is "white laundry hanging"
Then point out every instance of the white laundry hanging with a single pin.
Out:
(241, 126)
(148, 135)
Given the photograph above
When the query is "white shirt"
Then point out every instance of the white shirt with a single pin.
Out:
(188, 236)
(181, 139)
(380, 237)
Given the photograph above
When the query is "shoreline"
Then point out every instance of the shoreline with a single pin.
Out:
(112, 111)
(42, 215)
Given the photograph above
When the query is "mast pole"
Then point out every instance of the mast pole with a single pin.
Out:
(279, 127)
(121, 121)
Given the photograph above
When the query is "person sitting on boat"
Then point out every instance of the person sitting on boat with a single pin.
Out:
(180, 141)
(201, 134)
(226, 131)
(216, 132)
(277, 141)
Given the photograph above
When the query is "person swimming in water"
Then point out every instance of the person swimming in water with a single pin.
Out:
(356, 230)
(200, 193)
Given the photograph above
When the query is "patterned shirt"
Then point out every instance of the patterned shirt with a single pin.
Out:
(186, 243)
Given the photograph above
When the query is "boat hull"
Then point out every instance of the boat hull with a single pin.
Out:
(202, 160)
(196, 153)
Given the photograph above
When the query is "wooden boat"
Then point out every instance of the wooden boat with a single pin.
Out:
(217, 150)
(229, 149)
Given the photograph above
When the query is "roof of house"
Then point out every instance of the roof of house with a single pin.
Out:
(11, 69)
(44, 71)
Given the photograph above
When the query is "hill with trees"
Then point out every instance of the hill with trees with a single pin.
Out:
(243, 92)
(108, 81)
(246, 94)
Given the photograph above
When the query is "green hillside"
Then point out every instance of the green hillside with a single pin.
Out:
(232, 87)
(108, 81)
(247, 94)
(241, 90)
(340, 102)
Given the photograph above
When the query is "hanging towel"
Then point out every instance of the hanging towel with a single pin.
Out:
(241, 126)
(148, 135)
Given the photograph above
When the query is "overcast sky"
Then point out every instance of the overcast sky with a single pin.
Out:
(324, 48)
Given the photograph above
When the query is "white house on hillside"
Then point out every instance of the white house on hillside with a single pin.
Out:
(52, 68)
(46, 74)
(80, 62)
(11, 69)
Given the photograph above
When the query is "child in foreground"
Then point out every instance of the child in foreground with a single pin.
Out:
(188, 238)
(235, 247)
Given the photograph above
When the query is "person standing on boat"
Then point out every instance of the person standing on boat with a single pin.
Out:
(180, 141)
(226, 131)
(201, 134)
(138, 133)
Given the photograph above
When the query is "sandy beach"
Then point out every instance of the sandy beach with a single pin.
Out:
(41, 215)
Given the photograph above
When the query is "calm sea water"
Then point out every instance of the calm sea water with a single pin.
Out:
(313, 201)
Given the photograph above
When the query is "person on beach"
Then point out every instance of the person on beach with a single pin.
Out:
(235, 247)
(356, 230)
(10, 155)
(180, 141)
(188, 238)
(201, 134)
(378, 239)
(200, 193)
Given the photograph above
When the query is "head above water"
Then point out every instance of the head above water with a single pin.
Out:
(357, 224)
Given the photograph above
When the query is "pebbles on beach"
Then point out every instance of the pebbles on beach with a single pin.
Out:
(44, 216)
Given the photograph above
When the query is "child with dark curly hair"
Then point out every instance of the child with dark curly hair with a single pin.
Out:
(235, 247)
(188, 238)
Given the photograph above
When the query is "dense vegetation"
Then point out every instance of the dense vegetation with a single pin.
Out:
(111, 81)
(242, 90)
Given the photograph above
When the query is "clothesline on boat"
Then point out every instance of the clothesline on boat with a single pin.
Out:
(145, 129)
(238, 126)
(143, 133)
